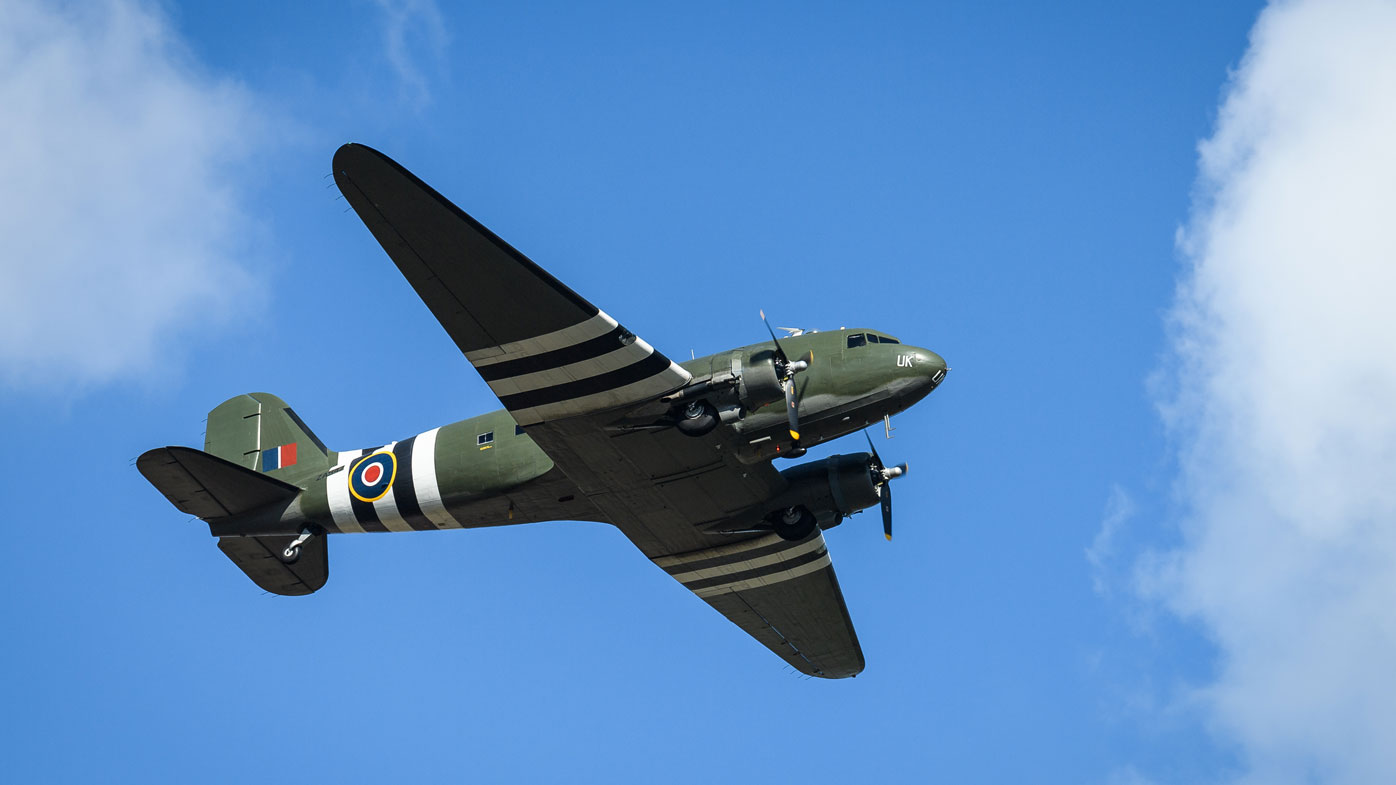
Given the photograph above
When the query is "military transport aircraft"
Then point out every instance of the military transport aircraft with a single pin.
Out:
(597, 425)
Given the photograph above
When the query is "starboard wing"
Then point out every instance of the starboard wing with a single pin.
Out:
(544, 350)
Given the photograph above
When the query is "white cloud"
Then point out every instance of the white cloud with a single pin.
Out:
(117, 205)
(412, 31)
(1284, 361)
(1119, 508)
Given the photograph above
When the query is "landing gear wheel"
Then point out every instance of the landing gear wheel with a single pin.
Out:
(292, 554)
(794, 523)
(697, 418)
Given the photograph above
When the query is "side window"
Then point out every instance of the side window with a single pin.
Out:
(890, 340)
(857, 339)
(873, 338)
(485, 438)
(518, 430)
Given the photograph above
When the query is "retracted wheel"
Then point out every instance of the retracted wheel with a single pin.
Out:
(794, 523)
(697, 418)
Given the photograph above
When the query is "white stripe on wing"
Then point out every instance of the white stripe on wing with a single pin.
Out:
(621, 357)
(596, 326)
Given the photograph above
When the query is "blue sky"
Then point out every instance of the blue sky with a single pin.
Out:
(1015, 186)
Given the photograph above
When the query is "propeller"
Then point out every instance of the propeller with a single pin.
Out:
(882, 477)
(786, 370)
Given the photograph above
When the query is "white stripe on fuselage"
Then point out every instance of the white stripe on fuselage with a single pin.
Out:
(425, 481)
(337, 492)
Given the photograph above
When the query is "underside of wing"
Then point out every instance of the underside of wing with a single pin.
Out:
(544, 350)
(783, 593)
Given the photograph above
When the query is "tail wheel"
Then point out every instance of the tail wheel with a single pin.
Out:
(794, 523)
(697, 418)
(290, 555)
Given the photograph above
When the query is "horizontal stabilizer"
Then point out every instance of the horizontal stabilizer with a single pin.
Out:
(260, 558)
(208, 486)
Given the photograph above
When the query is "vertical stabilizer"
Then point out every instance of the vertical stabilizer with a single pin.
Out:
(258, 431)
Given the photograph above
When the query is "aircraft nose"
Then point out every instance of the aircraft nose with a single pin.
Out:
(931, 367)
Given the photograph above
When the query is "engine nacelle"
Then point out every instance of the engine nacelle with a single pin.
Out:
(757, 381)
(832, 488)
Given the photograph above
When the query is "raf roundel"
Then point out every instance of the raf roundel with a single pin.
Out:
(372, 476)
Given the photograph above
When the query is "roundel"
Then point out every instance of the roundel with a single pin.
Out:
(372, 476)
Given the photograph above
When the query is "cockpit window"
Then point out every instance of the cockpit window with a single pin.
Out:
(860, 339)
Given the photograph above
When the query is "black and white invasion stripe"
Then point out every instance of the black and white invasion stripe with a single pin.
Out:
(590, 366)
(749, 564)
(412, 503)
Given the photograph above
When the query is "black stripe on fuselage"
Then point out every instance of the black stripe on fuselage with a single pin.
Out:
(546, 361)
(363, 511)
(650, 366)
(405, 490)
(759, 572)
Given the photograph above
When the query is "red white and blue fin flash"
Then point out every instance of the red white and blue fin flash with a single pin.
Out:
(279, 457)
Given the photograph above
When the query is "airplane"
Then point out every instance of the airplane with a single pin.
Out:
(597, 425)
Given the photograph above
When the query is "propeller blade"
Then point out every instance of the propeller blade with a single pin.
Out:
(876, 458)
(884, 488)
(887, 511)
(780, 352)
(792, 409)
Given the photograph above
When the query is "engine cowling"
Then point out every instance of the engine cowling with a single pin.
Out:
(757, 381)
(830, 489)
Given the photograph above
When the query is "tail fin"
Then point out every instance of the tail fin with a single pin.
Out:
(258, 457)
(258, 431)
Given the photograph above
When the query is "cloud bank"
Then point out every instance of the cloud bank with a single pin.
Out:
(1284, 403)
(120, 220)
